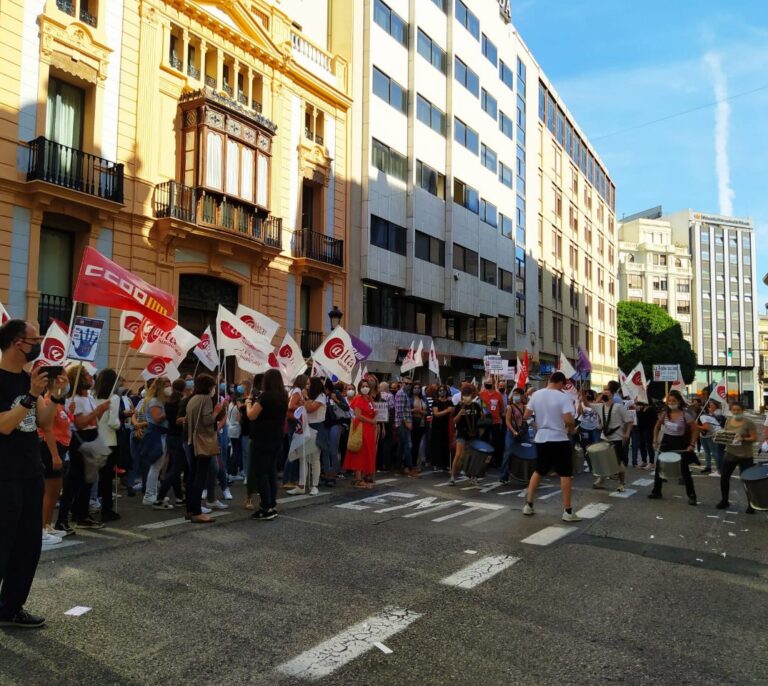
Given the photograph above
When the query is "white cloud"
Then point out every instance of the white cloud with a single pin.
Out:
(722, 125)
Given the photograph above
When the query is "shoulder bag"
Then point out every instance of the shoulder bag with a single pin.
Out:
(204, 444)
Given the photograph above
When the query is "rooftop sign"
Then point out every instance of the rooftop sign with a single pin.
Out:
(505, 10)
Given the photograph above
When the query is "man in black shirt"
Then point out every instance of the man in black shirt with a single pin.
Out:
(22, 411)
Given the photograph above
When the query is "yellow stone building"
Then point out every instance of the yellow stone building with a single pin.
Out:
(202, 145)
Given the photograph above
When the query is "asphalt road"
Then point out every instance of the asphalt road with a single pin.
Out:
(413, 583)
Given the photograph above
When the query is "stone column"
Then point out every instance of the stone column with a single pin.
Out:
(185, 51)
(219, 69)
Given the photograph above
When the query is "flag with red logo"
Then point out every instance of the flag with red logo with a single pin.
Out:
(409, 361)
(237, 338)
(53, 350)
(173, 344)
(4, 316)
(337, 354)
(264, 327)
(129, 325)
(434, 364)
(419, 355)
(160, 366)
(103, 282)
(522, 370)
(679, 385)
(622, 377)
(720, 392)
(205, 350)
(289, 355)
(636, 384)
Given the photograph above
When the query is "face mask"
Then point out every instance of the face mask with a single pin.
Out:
(34, 352)
(143, 392)
(605, 398)
(515, 398)
(442, 394)
(223, 387)
(190, 383)
(168, 392)
(351, 393)
(488, 386)
(240, 389)
(120, 390)
(737, 413)
(364, 390)
(673, 406)
(417, 391)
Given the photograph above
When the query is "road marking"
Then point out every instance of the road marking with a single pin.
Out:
(379, 482)
(178, 520)
(520, 492)
(58, 546)
(593, 510)
(489, 488)
(479, 571)
(487, 518)
(305, 496)
(366, 503)
(422, 510)
(429, 502)
(383, 648)
(642, 482)
(549, 535)
(328, 656)
(548, 495)
(459, 479)
(122, 532)
(626, 494)
(469, 506)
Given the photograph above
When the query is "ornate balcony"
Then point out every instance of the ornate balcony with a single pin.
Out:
(74, 169)
(87, 18)
(194, 72)
(199, 208)
(318, 247)
(175, 62)
(66, 6)
(309, 341)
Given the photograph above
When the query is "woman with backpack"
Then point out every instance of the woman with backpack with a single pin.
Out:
(679, 435)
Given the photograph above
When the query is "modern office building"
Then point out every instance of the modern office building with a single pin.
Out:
(725, 313)
(762, 333)
(465, 206)
(655, 269)
(201, 145)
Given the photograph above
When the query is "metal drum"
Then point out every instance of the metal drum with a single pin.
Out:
(602, 456)
(577, 455)
(522, 461)
(475, 462)
(755, 480)
(669, 466)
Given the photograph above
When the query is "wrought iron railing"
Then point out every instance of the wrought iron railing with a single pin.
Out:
(87, 18)
(210, 81)
(196, 206)
(309, 341)
(318, 246)
(72, 168)
(66, 6)
(242, 98)
(194, 72)
(228, 89)
(51, 307)
(175, 62)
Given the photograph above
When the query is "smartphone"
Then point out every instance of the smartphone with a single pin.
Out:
(53, 371)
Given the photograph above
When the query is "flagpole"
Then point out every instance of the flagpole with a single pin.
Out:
(71, 323)
(194, 374)
(120, 370)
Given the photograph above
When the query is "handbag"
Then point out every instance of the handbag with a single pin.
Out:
(204, 445)
(355, 440)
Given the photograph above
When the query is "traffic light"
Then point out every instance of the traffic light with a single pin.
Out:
(730, 354)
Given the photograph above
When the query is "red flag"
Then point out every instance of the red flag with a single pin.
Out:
(102, 282)
(522, 374)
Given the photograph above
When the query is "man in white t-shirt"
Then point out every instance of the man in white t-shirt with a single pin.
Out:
(554, 414)
(616, 425)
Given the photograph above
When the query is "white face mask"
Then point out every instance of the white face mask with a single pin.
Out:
(673, 406)
(168, 392)
(143, 392)
(365, 391)
(515, 398)
(350, 393)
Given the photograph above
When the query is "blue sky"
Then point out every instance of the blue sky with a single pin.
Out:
(618, 64)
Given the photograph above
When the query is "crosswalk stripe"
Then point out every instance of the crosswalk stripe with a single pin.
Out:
(479, 571)
(549, 535)
(593, 510)
(178, 520)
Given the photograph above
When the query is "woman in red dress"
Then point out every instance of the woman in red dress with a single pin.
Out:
(363, 462)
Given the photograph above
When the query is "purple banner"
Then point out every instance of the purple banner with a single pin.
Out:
(362, 350)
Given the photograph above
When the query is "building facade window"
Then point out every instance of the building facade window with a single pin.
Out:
(489, 50)
(430, 249)
(466, 77)
(489, 104)
(506, 225)
(467, 19)
(506, 281)
(429, 114)
(389, 161)
(488, 271)
(388, 235)
(505, 125)
(464, 259)
(388, 308)
(431, 52)
(430, 180)
(466, 196)
(488, 158)
(505, 175)
(466, 136)
(505, 74)
(488, 213)
(391, 22)
(390, 91)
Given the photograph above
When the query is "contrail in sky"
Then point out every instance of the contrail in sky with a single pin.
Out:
(722, 125)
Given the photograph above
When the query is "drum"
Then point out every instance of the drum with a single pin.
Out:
(577, 454)
(669, 466)
(475, 461)
(603, 459)
(755, 480)
(522, 461)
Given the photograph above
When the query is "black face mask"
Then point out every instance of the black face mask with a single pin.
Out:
(34, 352)
(488, 386)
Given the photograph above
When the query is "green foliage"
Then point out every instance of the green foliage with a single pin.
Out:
(647, 334)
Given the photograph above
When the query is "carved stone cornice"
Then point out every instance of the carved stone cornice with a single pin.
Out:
(72, 48)
(314, 164)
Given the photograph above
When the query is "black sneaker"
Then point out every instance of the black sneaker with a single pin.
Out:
(272, 511)
(653, 495)
(89, 523)
(706, 470)
(722, 505)
(692, 500)
(749, 510)
(23, 620)
(65, 528)
(263, 516)
(109, 516)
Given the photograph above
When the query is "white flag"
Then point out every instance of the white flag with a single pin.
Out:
(635, 384)
(337, 354)
(232, 335)
(205, 350)
(263, 326)
(289, 355)
(622, 377)
(720, 392)
(4, 316)
(566, 367)
(172, 345)
(160, 366)
(409, 361)
(418, 358)
(679, 385)
(53, 349)
(365, 372)
(129, 325)
(434, 364)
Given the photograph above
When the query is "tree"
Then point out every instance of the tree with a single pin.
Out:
(647, 334)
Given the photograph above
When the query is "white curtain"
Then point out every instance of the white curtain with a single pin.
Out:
(233, 168)
(262, 182)
(246, 174)
(213, 161)
(64, 124)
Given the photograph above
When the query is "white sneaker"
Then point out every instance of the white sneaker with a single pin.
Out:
(205, 510)
(94, 506)
(620, 488)
(204, 494)
(227, 494)
(48, 539)
(149, 500)
(571, 517)
(715, 473)
(218, 505)
(528, 509)
(296, 491)
(314, 491)
(164, 505)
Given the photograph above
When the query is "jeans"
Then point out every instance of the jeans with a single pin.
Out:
(176, 465)
(216, 470)
(135, 447)
(417, 433)
(264, 470)
(290, 469)
(331, 462)
(245, 443)
(720, 456)
(635, 438)
(198, 473)
(709, 450)
(223, 437)
(75, 493)
(106, 476)
(21, 513)
(404, 447)
(645, 441)
(728, 468)
(235, 461)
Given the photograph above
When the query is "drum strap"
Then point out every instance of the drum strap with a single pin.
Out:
(606, 422)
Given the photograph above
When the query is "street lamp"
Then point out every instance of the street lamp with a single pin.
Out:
(335, 316)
